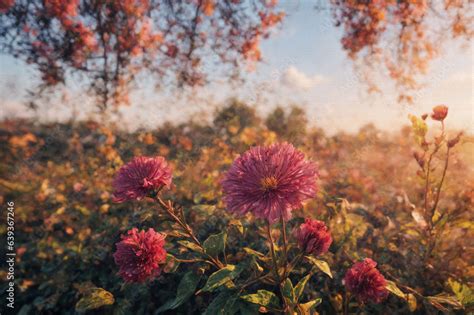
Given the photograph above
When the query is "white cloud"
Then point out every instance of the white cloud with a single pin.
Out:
(294, 78)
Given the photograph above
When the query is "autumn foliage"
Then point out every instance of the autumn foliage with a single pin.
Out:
(112, 42)
(109, 45)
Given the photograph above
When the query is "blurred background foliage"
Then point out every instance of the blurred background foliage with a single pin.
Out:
(60, 174)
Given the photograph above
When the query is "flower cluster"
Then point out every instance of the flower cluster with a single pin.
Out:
(269, 182)
(139, 255)
(365, 282)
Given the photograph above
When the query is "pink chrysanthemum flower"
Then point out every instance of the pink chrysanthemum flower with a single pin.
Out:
(139, 254)
(139, 177)
(313, 237)
(269, 182)
(365, 282)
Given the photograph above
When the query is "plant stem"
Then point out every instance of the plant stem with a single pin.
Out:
(294, 262)
(285, 247)
(272, 250)
(169, 210)
(427, 182)
(275, 266)
(432, 237)
(440, 185)
(345, 306)
(252, 281)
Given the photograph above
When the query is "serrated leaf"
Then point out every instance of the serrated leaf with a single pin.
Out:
(321, 265)
(263, 298)
(299, 288)
(94, 299)
(191, 246)
(220, 278)
(185, 290)
(392, 288)
(215, 244)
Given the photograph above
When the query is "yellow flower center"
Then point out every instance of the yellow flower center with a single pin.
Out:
(268, 183)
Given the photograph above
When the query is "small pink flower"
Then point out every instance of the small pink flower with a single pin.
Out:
(365, 282)
(313, 237)
(269, 182)
(139, 254)
(141, 176)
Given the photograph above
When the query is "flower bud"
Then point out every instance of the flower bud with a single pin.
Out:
(439, 112)
(313, 237)
(454, 141)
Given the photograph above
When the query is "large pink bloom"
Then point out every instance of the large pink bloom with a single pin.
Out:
(269, 182)
(139, 254)
(365, 282)
(139, 177)
(313, 237)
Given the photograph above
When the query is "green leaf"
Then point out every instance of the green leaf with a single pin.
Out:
(221, 277)
(223, 304)
(321, 265)
(215, 244)
(288, 290)
(247, 308)
(308, 307)
(252, 252)
(263, 298)
(95, 298)
(463, 293)
(299, 288)
(392, 288)
(185, 290)
(191, 246)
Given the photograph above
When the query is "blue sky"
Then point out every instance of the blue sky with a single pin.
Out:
(303, 64)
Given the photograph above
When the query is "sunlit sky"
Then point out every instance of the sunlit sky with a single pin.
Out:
(303, 64)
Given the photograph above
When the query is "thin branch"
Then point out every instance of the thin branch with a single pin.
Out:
(272, 249)
(285, 246)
